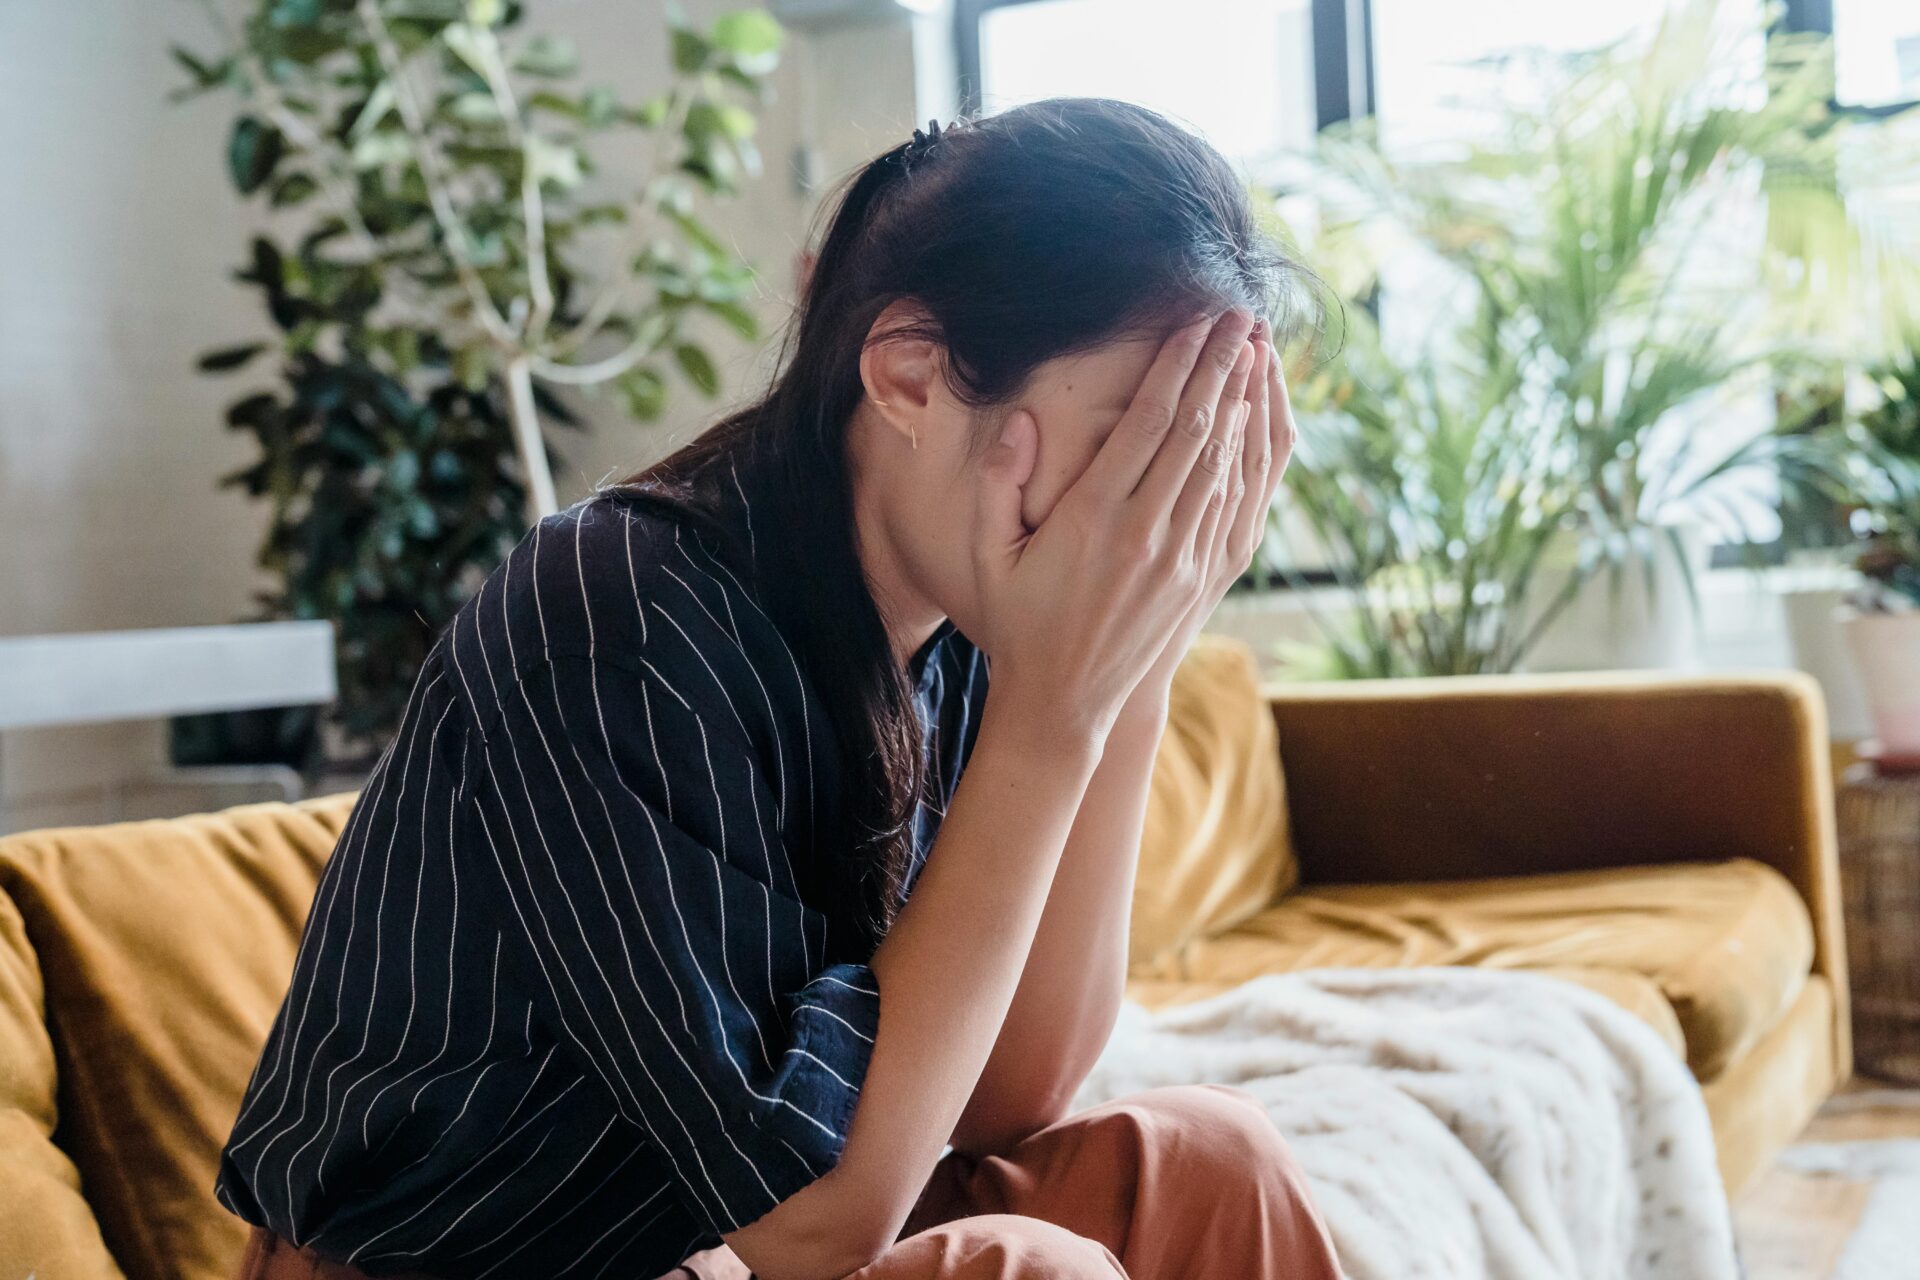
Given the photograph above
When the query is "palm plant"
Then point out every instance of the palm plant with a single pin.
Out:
(1434, 506)
(1597, 298)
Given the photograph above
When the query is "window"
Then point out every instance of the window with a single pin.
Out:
(1876, 52)
(1251, 95)
(1434, 63)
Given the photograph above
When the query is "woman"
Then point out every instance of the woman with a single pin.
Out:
(669, 938)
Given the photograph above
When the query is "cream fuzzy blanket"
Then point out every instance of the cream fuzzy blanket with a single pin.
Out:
(1460, 1124)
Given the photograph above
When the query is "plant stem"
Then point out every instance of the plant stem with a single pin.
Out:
(414, 121)
(527, 438)
(532, 208)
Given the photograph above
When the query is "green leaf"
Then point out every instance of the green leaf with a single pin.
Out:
(690, 50)
(553, 162)
(292, 189)
(255, 413)
(295, 13)
(645, 392)
(380, 149)
(750, 34)
(471, 367)
(229, 358)
(746, 82)
(476, 108)
(695, 231)
(599, 105)
(559, 104)
(421, 518)
(547, 56)
(650, 113)
(378, 104)
(253, 149)
(698, 366)
(206, 75)
(737, 318)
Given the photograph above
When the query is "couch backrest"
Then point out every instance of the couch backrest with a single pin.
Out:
(153, 957)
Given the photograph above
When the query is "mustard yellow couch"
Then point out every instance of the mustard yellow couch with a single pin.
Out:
(1666, 841)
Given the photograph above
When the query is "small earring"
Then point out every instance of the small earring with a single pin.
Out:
(914, 437)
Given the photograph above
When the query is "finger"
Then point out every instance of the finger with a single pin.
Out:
(1198, 415)
(1004, 471)
(1257, 461)
(1216, 461)
(1130, 449)
(1284, 431)
(1217, 522)
(1243, 476)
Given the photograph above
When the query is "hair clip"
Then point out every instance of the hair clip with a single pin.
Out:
(924, 139)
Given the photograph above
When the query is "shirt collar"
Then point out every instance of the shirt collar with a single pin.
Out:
(917, 665)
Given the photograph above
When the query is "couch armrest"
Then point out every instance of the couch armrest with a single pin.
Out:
(1473, 776)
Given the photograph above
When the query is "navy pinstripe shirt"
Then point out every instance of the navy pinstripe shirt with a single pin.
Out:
(564, 1004)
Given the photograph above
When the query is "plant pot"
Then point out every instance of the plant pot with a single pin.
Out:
(1886, 650)
(1636, 614)
(1818, 646)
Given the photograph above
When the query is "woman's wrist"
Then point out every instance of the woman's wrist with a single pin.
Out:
(1040, 724)
(1146, 709)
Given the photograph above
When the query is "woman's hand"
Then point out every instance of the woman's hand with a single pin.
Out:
(1076, 613)
(1266, 446)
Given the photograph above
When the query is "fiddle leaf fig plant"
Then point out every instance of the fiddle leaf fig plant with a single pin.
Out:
(457, 228)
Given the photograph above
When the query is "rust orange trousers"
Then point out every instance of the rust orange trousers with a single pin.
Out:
(1188, 1183)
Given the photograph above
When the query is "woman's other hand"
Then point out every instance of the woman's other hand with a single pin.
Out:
(1080, 610)
(1266, 446)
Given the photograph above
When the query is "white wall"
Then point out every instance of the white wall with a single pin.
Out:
(118, 233)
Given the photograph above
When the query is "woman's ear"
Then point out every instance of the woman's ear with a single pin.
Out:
(901, 371)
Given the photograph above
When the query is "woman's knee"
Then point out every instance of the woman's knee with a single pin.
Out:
(1214, 1132)
(997, 1246)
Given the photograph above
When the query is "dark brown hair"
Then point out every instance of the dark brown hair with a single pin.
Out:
(1039, 232)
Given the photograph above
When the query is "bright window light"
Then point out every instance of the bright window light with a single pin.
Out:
(1237, 71)
(1876, 51)
(1439, 65)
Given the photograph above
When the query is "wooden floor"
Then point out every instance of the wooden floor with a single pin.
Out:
(1794, 1226)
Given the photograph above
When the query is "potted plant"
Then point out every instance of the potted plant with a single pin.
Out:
(445, 253)
(1419, 487)
(1882, 619)
(1576, 291)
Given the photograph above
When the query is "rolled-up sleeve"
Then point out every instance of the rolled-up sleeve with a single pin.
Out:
(624, 833)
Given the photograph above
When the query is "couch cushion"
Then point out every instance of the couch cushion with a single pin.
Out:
(1728, 944)
(1215, 848)
(46, 1226)
(165, 949)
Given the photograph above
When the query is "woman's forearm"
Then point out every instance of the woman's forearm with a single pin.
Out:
(1076, 971)
(947, 972)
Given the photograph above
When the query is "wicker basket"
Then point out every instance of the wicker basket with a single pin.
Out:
(1879, 819)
